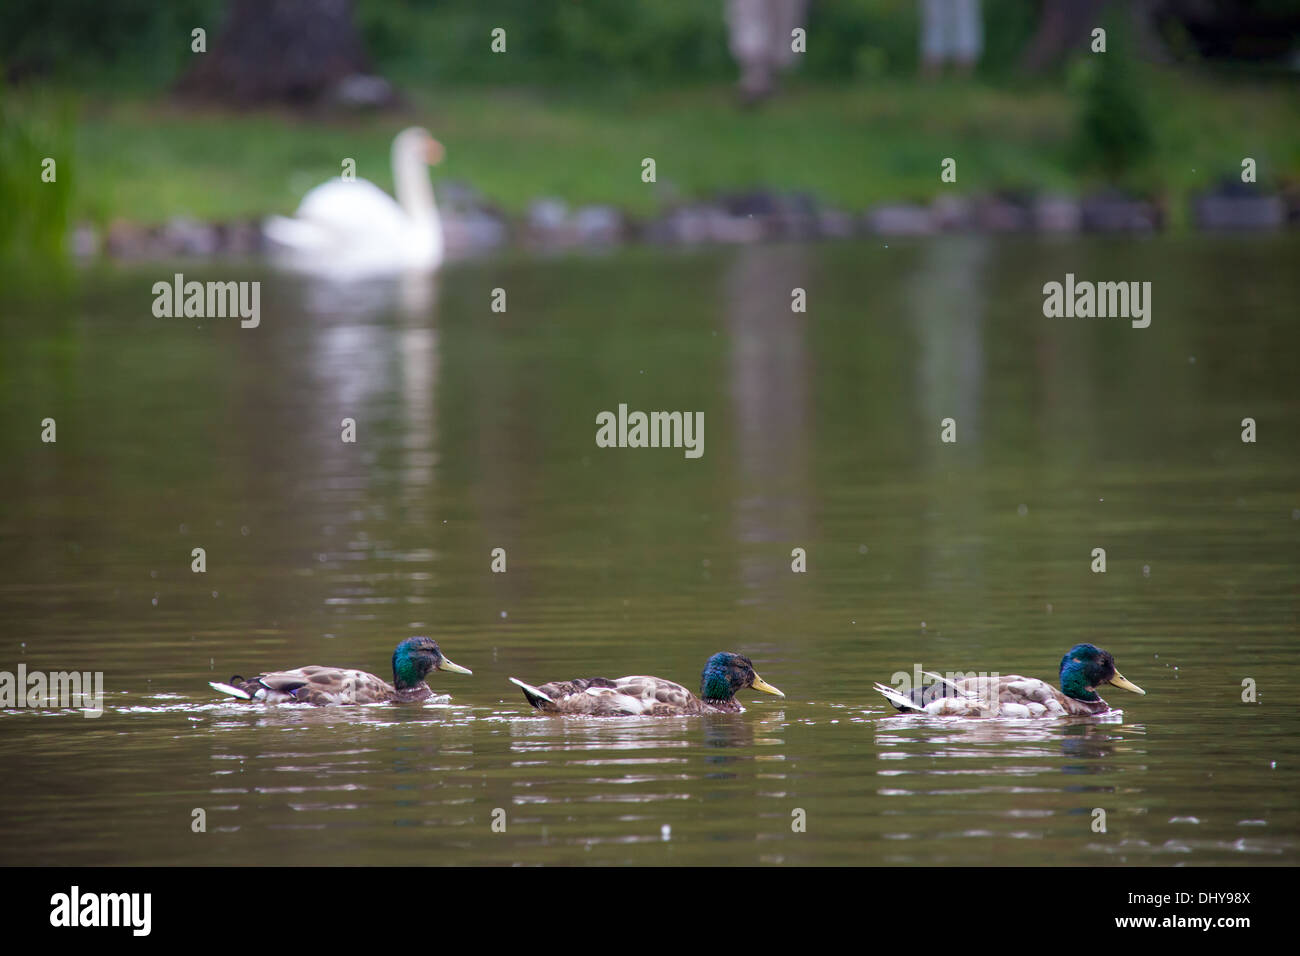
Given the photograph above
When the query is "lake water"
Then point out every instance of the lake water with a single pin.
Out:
(476, 430)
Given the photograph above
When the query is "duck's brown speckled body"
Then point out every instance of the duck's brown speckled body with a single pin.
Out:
(413, 659)
(642, 696)
(1010, 696)
(1083, 669)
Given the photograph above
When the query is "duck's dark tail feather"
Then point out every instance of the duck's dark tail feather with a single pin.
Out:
(535, 696)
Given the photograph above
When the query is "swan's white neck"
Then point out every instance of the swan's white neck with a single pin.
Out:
(411, 183)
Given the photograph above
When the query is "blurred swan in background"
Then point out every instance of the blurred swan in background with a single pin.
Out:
(349, 228)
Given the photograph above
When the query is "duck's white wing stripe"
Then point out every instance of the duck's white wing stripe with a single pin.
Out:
(227, 689)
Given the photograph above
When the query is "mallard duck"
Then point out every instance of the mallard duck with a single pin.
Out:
(314, 684)
(724, 674)
(1084, 668)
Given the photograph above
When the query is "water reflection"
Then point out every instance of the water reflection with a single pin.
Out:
(770, 393)
(937, 749)
(476, 432)
(948, 294)
(948, 299)
(598, 733)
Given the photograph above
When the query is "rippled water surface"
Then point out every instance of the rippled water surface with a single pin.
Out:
(476, 431)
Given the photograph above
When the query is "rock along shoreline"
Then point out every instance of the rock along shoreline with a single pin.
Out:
(474, 227)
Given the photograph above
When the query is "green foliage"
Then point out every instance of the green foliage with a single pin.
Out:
(34, 226)
(860, 39)
(146, 44)
(546, 42)
(655, 40)
(852, 145)
(1114, 129)
(130, 42)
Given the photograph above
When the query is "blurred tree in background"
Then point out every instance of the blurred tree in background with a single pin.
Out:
(297, 52)
(139, 43)
(1114, 131)
(134, 43)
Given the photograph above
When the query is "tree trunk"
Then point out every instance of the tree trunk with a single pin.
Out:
(294, 52)
(1066, 27)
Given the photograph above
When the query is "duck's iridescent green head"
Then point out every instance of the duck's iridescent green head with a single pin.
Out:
(415, 657)
(1085, 667)
(726, 673)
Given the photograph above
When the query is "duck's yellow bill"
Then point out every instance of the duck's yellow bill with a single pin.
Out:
(765, 687)
(1119, 680)
(447, 665)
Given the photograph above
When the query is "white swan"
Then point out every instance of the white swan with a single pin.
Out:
(349, 228)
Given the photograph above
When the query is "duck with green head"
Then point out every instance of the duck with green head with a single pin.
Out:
(413, 659)
(724, 675)
(1084, 668)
